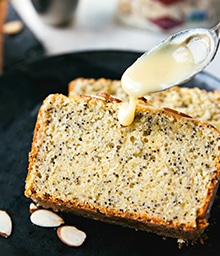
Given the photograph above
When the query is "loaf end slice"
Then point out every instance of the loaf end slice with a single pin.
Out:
(160, 174)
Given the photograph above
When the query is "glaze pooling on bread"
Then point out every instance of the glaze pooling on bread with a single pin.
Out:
(158, 174)
(197, 103)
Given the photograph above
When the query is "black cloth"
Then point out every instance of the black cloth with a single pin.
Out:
(21, 46)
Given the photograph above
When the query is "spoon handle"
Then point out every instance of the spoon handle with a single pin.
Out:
(217, 30)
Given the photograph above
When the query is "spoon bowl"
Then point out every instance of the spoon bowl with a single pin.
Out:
(174, 61)
(203, 44)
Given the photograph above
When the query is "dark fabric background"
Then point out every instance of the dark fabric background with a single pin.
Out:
(21, 46)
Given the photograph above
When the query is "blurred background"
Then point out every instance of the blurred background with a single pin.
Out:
(52, 27)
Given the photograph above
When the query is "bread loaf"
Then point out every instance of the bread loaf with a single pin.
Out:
(160, 174)
(197, 103)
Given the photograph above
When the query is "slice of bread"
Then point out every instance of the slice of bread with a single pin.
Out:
(160, 174)
(197, 103)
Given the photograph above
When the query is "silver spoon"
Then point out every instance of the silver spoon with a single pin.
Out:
(172, 62)
(193, 35)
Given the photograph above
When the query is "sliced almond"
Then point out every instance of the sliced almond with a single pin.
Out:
(46, 218)
(5, 224)
(71, 236)
(13, 27)
(32, 208)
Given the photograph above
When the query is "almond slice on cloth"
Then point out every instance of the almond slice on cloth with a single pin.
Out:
(5, 224)
(32, 208)
(46, 218)
(71, 236)
(13, 27)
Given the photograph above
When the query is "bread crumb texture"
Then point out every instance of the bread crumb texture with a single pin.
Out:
(163, 169)
(195, 102)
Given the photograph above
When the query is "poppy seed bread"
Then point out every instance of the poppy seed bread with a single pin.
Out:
(160, 174)
(195, 102)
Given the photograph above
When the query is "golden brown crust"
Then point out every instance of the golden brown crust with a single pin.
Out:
(135, 220)
(126, 220)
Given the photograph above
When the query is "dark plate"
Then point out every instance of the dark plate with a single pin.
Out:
(21, 93)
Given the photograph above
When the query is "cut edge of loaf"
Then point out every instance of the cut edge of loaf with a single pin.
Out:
(92, 86)
(195, 102)
(133, 220)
